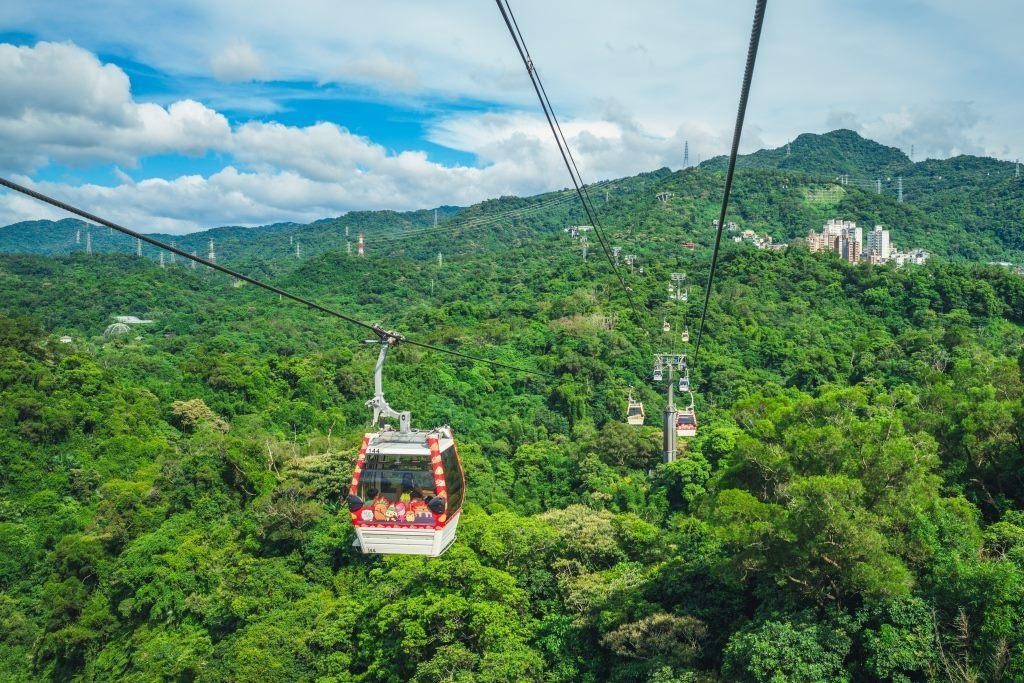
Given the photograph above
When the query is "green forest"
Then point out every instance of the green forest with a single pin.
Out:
(851, 509)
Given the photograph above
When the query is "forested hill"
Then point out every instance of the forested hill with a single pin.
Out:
(828, 155)
(963, 207)
(977, 201)
(852, 507)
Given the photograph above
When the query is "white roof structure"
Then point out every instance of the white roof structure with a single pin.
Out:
(116, 330)
(131, 320)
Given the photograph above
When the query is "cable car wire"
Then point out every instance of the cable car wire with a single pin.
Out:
(376, 329)
(741, 112)
(563, 147)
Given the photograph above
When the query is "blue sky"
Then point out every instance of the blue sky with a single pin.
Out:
(178, 115)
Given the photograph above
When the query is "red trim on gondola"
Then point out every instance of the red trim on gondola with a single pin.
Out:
(360, 461)
(437, 465)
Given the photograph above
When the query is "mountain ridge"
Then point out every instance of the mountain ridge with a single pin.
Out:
(966, 207)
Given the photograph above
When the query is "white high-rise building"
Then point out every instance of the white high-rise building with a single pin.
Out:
(842, 237)
(879, 248)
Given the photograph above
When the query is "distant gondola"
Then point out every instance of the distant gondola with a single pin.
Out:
(634, 411)
(686, 422)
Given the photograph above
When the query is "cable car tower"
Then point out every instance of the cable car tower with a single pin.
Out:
(676, 423)
(408, 485)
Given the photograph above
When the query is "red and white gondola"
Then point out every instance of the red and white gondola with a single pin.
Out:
(408, 484)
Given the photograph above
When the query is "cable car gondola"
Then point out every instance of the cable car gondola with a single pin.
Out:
(665, 327)
(635, 411)
(686, 336)
(408, 485)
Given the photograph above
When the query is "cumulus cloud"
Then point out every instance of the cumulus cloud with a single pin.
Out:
(606, 147)
(938, 130)
(654, 55)
(238, 62)
(289, 173)
(86, 113)
(61, 104)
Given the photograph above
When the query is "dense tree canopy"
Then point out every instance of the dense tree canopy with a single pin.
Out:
(851, 509)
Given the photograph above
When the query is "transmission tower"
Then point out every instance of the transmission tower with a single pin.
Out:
(193, 262)
(346, 231)
(677, 284)
(211, 255)
(435, 218)
(173, 244)
(878, 186)
(899, 190)
(583, 241)
(440, 259)
(359, 249)
(686, 154)
(615, 254)
(88, 242)
(78, 236)
(298, 250)
(162, 260)
(138, 247)
(348, 247)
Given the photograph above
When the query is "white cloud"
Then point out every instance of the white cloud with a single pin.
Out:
(238, 62)
(384, 72)
(606, 147)
(288, 173)
(632, 82)
(935, 131)
(658, 57)
(61, 79)
(61, 104)
(282, 172)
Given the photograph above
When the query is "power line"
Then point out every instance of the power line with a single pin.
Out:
(376, 329)
(480, 221)
(741, 112)
(563, 146)
(554, 198)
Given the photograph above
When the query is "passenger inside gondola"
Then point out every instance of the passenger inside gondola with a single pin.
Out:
(397, 492)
